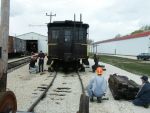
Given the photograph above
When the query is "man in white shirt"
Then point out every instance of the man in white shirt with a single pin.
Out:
(97, 86)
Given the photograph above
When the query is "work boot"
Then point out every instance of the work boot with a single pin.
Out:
(146, 106)
(99, 99)
(91, 99)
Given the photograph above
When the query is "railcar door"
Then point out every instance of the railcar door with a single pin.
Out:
(67, 44)
(80, 43)
(53, 45)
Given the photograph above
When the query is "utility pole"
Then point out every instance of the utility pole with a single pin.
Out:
(50, 15)
(4, 33)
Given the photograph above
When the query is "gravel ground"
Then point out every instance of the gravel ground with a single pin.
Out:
(67, 101)
(63, 97)
(111, 105)
(25, 86)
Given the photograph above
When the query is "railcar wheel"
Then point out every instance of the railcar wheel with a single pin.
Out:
(8, 103)
(84, 104)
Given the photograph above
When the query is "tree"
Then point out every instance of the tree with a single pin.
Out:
(137, 31)
(142, 29)
(117, 36)
(89, 41)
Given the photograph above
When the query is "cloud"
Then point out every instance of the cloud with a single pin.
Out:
(105, 17)
(17, 8)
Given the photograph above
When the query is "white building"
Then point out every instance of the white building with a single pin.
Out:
(126, 45)
(35, 41)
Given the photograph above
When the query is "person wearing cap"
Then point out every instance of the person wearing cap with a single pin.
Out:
(143, 96)
(97, 86)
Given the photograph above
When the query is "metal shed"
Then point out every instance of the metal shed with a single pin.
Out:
(127, 45)
(36, 40)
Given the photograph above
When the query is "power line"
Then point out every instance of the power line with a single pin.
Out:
(31, 25)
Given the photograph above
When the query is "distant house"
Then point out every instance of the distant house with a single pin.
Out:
(125, 45)
(35, 42)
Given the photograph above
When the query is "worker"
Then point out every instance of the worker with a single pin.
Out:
(97, 86)
(95, 60)
(143, 96)
(32, 67)
(41, 56)
(96, 63)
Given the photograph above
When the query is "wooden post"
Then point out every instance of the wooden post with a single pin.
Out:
(4, 33)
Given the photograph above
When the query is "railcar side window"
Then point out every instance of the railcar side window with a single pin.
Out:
(67, 36)
(55, 34)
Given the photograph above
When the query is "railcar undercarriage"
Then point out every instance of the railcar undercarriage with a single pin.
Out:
(74, 65)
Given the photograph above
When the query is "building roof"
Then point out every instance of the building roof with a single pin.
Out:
(133, 36)
(32, 36)
(31, 33)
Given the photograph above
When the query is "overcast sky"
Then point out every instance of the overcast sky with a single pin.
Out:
(106, 18)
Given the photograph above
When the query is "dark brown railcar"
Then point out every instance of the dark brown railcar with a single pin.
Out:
(10, 44)
(16, 47)
(67, 42)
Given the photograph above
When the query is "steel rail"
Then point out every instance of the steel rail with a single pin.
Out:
(18, 63)
(82, 86)
(31, 108)
(84, 99)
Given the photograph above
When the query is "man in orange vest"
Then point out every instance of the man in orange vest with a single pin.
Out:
(97, 86)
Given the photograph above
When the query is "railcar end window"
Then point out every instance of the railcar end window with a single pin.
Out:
(67, 35)
(55, 34)
(81, 34)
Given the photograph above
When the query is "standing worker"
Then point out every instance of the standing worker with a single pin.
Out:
(143, 96)
(41, 56)
(96, 63)
(95, 60)
(97, 86)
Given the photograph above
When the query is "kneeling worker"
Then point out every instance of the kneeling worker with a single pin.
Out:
(143, 96)
(32, 67)
(97, 86)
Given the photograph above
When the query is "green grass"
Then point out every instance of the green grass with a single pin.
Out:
(130, 65)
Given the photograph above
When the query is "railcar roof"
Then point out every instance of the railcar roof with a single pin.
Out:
(67, 23)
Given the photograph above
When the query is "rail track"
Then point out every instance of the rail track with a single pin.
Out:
(18, 63)
(61, 90)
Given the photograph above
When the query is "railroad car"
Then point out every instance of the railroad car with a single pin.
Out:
(16, 46)
(67, 43)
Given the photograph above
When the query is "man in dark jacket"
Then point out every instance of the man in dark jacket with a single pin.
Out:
(41, 56)
(96, 63)
(95, 60)
(143, 96)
